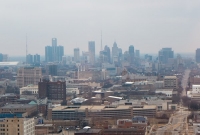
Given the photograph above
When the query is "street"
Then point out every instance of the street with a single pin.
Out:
(178, 121)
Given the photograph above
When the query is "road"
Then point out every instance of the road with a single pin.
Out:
(184, 82)
(178, 122)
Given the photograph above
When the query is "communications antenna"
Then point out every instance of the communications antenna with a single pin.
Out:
(101, 41)
(26, 48)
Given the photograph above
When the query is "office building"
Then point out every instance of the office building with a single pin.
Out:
(170, 82)
(29, 59)
(101, 111)
(30, 89)
(54, 53)
(17, 126)
(164, 54)
(76, 55)
(131, 53)
(28, 75)
(115, 51)
(91, 49)
(137, 53)
(48, 54)
(198, 55)
(36, 59)
(60, 53)
(3, 57)
(30, 110)
(52, 69)
(54, 49)
(107, 50)
(52, 90)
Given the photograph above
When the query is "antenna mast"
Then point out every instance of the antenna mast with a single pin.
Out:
(101, 41)
(26, 48)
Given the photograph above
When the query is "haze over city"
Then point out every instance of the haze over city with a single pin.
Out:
(148, 25)
(100, 67)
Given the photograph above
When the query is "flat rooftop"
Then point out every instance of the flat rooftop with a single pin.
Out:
(170, 77)
(17, 106)
(88, 131)
(9, 63)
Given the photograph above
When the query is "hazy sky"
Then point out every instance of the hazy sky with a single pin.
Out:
(149, 25)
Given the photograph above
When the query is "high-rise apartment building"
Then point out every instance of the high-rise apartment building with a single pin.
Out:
(91, 49)
(76, 55)
(52, 90)
(36, 59)
(28, 75)
(17, 126)
(29, 59)
(198, 55)
(54, 53)
(164, 54)
(131, 53)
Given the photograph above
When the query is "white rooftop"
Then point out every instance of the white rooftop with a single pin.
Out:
(9, 63)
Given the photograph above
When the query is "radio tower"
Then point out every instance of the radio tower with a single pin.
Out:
(101, 41)
(26, 49)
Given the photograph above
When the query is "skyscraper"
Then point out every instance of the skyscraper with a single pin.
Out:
(29, 59)
(1, 57)
(198, 55)
(54, 49)
(131, 53)
(91, 49)
(54, 53)
(107, 50)
(76, 55)
(59, 53)
(115, 51)
(137, 53)
(164, 54)
(48, 54)
(36, 59)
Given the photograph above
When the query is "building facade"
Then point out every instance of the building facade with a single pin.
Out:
(91, 49)
(54, 53)
(28, 75)
(52, 90)
(170, 82)
(17, 126)
(76, 55)
(164, 54)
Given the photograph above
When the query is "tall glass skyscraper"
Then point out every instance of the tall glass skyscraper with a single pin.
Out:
(54, 53)
(91, 49)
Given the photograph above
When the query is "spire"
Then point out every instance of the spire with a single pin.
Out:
(101, 41)
(26, 48)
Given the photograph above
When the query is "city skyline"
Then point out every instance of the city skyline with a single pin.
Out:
(148, 26)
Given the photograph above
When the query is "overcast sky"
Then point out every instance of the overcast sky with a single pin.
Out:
(149, 25)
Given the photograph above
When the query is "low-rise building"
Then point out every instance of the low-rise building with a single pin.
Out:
(17, 126)
(168, 92)
(29, 109)
(30, 89)
(170, 82)
(43, 129)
